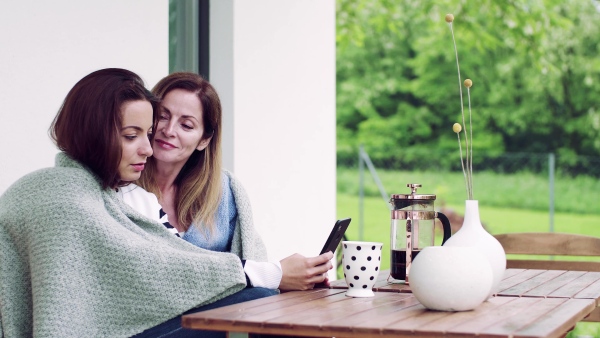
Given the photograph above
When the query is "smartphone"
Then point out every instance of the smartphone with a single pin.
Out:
(336, 235)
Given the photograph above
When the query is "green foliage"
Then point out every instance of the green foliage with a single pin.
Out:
(533, 63)
(583, 329)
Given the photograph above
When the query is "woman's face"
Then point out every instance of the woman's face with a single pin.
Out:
(135, 142)
(180, 128)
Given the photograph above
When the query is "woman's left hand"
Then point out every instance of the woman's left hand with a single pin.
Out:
(302, 273)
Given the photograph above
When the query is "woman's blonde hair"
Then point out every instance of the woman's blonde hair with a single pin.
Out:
(199, 181)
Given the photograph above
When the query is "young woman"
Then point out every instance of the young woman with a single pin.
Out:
(75, 260)
(206, 205)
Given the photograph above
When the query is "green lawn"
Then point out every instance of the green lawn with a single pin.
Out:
(524, 190)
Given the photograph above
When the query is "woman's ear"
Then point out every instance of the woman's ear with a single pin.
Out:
(203, 143)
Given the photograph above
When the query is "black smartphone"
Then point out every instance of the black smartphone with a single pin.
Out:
(336, 235)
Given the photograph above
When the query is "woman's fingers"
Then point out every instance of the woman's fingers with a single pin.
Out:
(321, 268)
(321, 259)
(302, 273)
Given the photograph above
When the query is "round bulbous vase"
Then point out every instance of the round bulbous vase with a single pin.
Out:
(450, 278)
(473, 234)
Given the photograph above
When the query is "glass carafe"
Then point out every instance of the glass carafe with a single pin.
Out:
(412, 229)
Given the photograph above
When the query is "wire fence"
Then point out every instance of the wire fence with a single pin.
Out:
(534, 181)
(507, 163)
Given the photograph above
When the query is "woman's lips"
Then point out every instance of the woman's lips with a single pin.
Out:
(165, 145)
(138, 166)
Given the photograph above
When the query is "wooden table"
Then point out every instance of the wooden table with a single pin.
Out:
(520, 283)
(531, 303)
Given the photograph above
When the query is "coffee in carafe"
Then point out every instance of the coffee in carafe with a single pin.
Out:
(398, 268)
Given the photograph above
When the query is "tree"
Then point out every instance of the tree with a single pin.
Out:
(533, 63)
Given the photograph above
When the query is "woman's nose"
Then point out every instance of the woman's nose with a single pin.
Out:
(167, 129)
(146, 148)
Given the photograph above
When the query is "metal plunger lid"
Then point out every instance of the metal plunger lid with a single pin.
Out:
(413, 195)
(413, 206)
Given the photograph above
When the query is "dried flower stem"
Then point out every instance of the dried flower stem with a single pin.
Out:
(468, 150)
(471, 131)
(462, 162)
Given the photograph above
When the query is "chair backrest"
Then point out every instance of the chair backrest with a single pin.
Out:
(554, 244)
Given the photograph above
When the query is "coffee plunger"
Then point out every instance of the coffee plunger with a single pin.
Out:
(412, 229)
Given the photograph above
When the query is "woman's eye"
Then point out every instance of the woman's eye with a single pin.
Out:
(187, 126)
(164, 117)
(130, 137)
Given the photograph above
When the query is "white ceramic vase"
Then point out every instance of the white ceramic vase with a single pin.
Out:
(473, 234)
(450, 278)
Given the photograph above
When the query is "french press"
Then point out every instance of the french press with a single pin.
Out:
(413, 228)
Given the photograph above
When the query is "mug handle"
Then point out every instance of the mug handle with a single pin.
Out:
(446, 225)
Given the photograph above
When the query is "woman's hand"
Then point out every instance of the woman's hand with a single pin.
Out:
(302, 273)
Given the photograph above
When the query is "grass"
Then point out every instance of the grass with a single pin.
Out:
(515, 191)
(507, 203)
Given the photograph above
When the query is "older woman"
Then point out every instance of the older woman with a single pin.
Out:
(203, 203)
(75, 261)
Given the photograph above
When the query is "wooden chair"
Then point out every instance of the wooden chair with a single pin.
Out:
(552, 244)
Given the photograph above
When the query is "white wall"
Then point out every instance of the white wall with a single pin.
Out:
(273, 64)
(272, 61)
(47, 46)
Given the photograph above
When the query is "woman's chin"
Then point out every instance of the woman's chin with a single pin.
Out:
(130, 177)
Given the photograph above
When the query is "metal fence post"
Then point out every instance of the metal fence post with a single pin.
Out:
(373, 172)
(363, 158)
(551, 164)
(361, 192)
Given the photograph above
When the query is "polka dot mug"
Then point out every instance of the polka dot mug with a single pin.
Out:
(361, 261)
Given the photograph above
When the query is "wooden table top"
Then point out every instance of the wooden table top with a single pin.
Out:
(532, 303)
(520, 283)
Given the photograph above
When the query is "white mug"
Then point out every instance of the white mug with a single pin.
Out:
(361, 261)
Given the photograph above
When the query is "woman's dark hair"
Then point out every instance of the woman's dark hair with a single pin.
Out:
(88, 123)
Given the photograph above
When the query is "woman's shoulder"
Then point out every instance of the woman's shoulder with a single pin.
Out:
(226, 176)
(66, 176)
(231, 185)
(226, 189)
(49, 186)
(236, 189)
(55, 179)
(228, 179)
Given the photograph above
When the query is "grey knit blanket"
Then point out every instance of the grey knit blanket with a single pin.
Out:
(75, 261)
(247, 243)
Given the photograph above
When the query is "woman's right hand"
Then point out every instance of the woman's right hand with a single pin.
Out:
(302, 273)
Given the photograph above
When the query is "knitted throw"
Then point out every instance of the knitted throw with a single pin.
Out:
(75, 261)
(246, 243)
